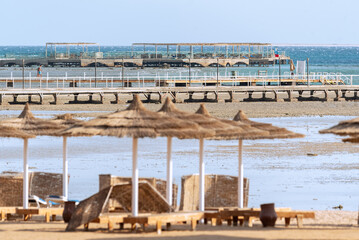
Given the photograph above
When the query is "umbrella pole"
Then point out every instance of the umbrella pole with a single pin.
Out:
(201, 176)
(240, 175)
(169, 171)
(65, 178)
(134, 178)
(25, 177)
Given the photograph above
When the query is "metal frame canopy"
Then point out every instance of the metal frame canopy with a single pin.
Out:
(83, 44)
(215, 46)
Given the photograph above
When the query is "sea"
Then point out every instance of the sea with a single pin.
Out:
(296, 173)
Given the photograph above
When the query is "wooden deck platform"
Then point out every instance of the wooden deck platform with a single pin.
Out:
(110, 219)
(47, 212)
(165, 218)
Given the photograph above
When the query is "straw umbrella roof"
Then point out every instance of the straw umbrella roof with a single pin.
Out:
(136, 121)
(66, 119)
(274, 132)
(14, 133)
(27, 122)
(246, 131)
(222, 130)
(351, 139)
(349, 127)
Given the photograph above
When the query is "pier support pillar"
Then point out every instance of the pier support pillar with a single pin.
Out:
(205, 96)
(339, 95)
(190, 96)
(355, 94)
(290, 96)
(29, 98)
(250, 95)
(1, 99)
(76, 97)
(41, 99)
(90, 97)
(326, 96)
(276, 97)
(55, 98)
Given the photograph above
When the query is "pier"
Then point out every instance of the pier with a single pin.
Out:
(158, 55)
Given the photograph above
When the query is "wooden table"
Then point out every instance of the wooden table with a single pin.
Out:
(168, 218)
(47, 212)
(6, 211)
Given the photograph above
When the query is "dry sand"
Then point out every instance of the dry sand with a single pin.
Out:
(326, 225)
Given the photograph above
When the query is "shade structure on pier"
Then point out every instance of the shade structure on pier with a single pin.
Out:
(221, 129)
(346, 128)
(255, 130)
(27, 123)
(137, 122)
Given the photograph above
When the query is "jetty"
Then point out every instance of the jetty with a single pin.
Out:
(156, 55)
(114, 90)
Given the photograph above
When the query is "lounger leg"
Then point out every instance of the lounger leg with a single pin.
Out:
(241, 222)
(229, 222)
(287, 222)
(168, 226)
(110, 226)
(47, 217)
(133, 226)
(235, 221)
(2, 216)
(121, 226)
(86, 226)
(248, 221)
(219, 221)
(193, 224)
(213, 221)
(53, 218)
(159, 227)
(27, 217)
(205, 221)
(300, 221)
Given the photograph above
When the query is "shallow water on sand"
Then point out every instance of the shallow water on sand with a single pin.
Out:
(279, 170)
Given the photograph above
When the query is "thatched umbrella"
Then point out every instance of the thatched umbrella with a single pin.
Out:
(346, 128)
(27, 123)
(222, 131)
(65, 121)
(137, 122)
(16, 133)
(255, 130)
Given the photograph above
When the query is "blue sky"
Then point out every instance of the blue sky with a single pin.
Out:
(111, 22)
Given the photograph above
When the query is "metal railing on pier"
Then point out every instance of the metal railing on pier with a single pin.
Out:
(139, 81)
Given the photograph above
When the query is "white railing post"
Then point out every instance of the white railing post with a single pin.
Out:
(47, 80)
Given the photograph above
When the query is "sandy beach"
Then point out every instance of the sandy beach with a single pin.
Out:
(326, 225)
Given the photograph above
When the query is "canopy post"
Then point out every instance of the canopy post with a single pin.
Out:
(201, 176)
(25, 177)
(65, 178)
(240, 174)
(169, 171)
(134, 177)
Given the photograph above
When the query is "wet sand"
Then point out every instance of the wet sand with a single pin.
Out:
(223, 110)
(326, 225)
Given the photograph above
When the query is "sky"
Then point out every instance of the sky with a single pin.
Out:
(122, 22)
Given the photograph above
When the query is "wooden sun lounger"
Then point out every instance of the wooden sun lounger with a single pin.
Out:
(6, 211)
(47, 212)
(168, 218)
(249, 215)
(110, 219)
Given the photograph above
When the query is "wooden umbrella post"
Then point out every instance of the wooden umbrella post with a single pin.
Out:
(240, 174)
(169, 171)
(201, 176)
(65, 179)
(26, 177)
(134, 177)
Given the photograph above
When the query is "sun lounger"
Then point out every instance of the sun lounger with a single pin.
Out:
(249, 215)
(110, 219)
(37, 200)
(164, 218)
(54, 200)
(5, 212)
(47, 212)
